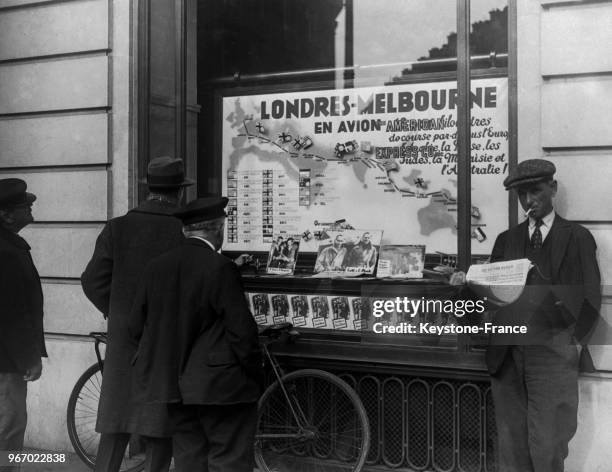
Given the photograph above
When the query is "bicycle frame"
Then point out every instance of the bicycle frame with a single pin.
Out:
(298, 414)
(100, 338)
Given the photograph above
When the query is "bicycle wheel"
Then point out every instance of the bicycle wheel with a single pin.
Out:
(81, 418)
(334, 434)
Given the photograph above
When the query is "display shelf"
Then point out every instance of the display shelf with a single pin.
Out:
(272, 301)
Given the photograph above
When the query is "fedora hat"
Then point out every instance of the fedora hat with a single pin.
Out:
(13, 192)
(166, 172)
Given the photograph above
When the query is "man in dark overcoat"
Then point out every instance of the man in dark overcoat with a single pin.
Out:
(534, 377)
(123, 248)
(22, 342)
(198, 346)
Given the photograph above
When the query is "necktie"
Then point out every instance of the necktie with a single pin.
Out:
(536, 237)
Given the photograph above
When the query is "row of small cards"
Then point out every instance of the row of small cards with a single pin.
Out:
(308, 311)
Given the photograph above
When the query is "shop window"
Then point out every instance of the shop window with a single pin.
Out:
(282, 51)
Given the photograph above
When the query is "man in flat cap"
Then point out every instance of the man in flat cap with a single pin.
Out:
(198, 346)
(534, 379)
(22, 341)
(123, 248)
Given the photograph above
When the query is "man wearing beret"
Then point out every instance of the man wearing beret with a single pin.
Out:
(22, 341)
(534, 379)
(198, 346)
(124, 247)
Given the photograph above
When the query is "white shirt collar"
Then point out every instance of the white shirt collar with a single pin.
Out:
(547, 221)
(206, 241)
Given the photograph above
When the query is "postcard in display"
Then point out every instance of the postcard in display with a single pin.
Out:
(341, 312)
(283, 254)
(357, 306)
(320, 311)
(300, 310)
(260, 303)
(280, 308)
(401, 261)
(348, 252)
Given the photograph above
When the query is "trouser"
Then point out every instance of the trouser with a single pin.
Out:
(213, 438)
(13, 414)
(111, 451)
(535, 395)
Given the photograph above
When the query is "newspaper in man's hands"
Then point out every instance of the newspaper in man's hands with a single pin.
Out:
(500, 282)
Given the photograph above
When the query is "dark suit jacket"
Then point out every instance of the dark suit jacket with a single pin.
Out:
(576, 283)
(123, 249)
(198, 342)
(22, 341)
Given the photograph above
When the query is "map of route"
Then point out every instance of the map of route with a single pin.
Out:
(289, 167)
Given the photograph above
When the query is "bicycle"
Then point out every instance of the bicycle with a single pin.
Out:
(82, 413)
(308, 419)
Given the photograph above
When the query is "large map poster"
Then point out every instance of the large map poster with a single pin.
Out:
(377, 157)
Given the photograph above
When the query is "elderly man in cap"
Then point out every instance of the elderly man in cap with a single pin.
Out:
(21, 313)
(123, 248)
(534, 378)
(198, 347)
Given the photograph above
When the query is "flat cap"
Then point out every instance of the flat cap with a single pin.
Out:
(529, 172)
(13, 192)
(202, 209)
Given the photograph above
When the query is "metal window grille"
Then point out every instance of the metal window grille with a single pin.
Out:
(427, 424)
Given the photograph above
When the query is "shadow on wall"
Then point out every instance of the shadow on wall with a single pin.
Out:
(590, 448)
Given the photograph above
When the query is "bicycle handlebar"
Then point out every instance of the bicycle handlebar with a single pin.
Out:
(100, 336)
(279, 333)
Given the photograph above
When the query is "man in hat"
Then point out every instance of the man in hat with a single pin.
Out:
(534, 378)
(123, 248)
(198, 347)
(22, 341)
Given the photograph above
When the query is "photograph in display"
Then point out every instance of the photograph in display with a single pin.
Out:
(260, 303)
(300, 310)
(320, 311)
(357, 309)
(280, 308)
(341, 312)
(401, 261)
(283, 255)
(350, 252)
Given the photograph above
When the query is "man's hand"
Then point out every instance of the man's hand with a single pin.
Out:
(34, 372)
(243, 259)
(457, 278)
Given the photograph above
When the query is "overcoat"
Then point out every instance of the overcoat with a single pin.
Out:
(576, 282)
(198, 341)
(123, 248)
(22, 341)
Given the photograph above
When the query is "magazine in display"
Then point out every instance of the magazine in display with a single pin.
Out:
(283, 255)
(401, 261)
(348, 252)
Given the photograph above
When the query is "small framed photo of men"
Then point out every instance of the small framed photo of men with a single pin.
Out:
(359, 313)
(320, 311)
(280, 308)
(341, 312)
(300, 309)
(261, 308)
